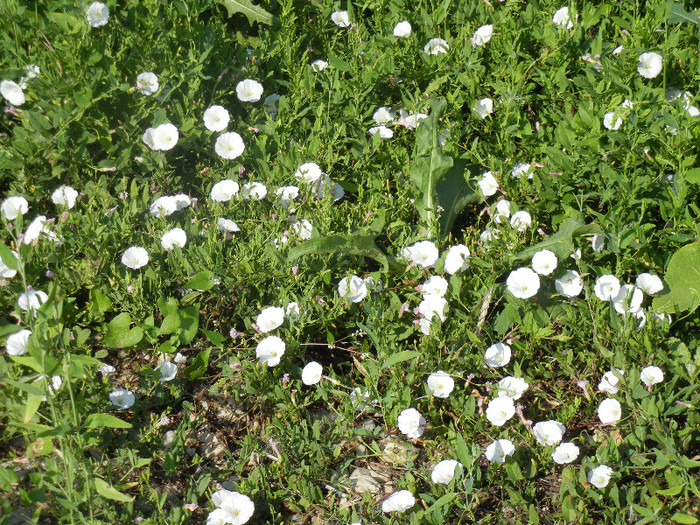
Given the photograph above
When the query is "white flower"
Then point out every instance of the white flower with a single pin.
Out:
(600, 476)
(610, 122)
(484, 107)
(609, 411)
(224, 190)
(135, 257)
(498, 450)
(544, 262)
(497, 355)
(16, 343)
(651, 375)
(249, 90)
(561, 18)
(106, 369)
(271, 102)
(384, 115)
(650, 64)
(422, 253)
(482, 35)
(168, 371)
(435, 285)
(435, 46)
(440, 384)
(64, 196)
(512, 387)
(521, 220)
(399, 501)
(319, 65)
(165, 137)
(565, 453)
(502, 210)
(12, 92)
(172, 238)
(384, 132)
(488, 184)
(489, 234)
(163, 206)
(229, 145)
(148, 137)
(35, 229)
(649, 283)
(610, 382)
(147, 83)
(548, 433)
(618, 50)
(227, 226)
(287, 194)
(457, 259)
(412, 423)
(233, 508)
(326, 186)
(569, 284)
(270, 350)
(311, 374)
(216, 118)
(182, 201)
(628, 300)
(523, 283)
(254, 191)
(179, 359)
(520, 169)
(432, 305)
(341, 18)
(410, 121)
(303, 228)
(361, 399)
(352, 288)
(5, 271)
(31, 300)
(13, 207)
(97, 14)
(607, 287)
(122, 398)
(598, 242)
(444, 472)
(500, 410)
(32, 71)
(292, 311)
(269, 318)
(309, 172)
(402, 29)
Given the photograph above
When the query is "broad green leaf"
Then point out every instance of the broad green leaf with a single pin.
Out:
(8, 258)
(354, 244)
(463, 455)
(214, 338)
(106, 490)
(32, 405)
(199, 365)
(7, 478)
(105, 421)
(672, 491)
(683, 280)
(679, 15)
(202, 281)
(99, 303)
(453, 193)
(339, 63)
(679, 517)
(252, 12)
(562, 242)
(189, 323)
(29, 388)
(400, 357)
(691, 176)
(170, 324)
(442, 501)
(120, 334)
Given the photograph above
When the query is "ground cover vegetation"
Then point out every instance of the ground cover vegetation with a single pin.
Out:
(349, 262)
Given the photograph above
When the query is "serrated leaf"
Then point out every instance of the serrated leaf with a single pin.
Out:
(252, 12)
(105, 421)
(683, 280)
(106, 490)
(453, 193)
(355, 244)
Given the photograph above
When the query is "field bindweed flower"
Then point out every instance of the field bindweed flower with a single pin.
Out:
(610, 382)
(502, 210)
(432, 305)
(610, 122)
(598, 243)
(224, 190)
(384, 115)
(35, 230)
(499, 450)
(440, 384)
(548, 433)
(287, 194)
(64, 196)
(628, 299)
(649, 283)
(607, 287)
(168, 371)
(135, 257)
(435, 285)
(423, 253)
(31, 300)
(254, 191)
(311, 374)
(521, 220)
(352, 288)
(12, 92)
(444, 472)
(457, 259)
(227, 226)
(497, 355)
(229, 145)
(520, 169)
(122, 398)
(399, 501)
(147, 83)
(500, 410)
(561, 18)
(384, 132)
(609, 411)
(303, 228)
(512, 387)
(172, 238)
(309, 173)
(216, 118)
(523, 283)
(565, 453)
(233, 508)
(341, 18)
(318, 65)
(412, 423)
(651, 375)
(570, 284)
(544, 262)
(484, 107)
(402, 29)
(600, 476)
(488, 184)
(163, 137)
(97, 14)
(292, 311)
(249, 90)
(163, 206)
(269, 318)
(482, 35)
(16, 343)
(436, 46)
(650, 64)
(270, 350)
(13, 207)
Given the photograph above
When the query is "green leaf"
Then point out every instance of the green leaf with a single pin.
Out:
(254, 13)
(170, 324)
(214, 338)
(83, 98)
(106, 490)
(7, 478)
(8, 258)
(679, 15)
(691, 176)
(562, 242)
(355, 244)
(119, 334)
(400, 357)
(339, 63)
(671, 491)
(202, 281)
(29, 388)
(99, 303)
(683, 280)
(463, 455)
(105, 421)
(683, 518)
(199, 365)
(453, 194)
